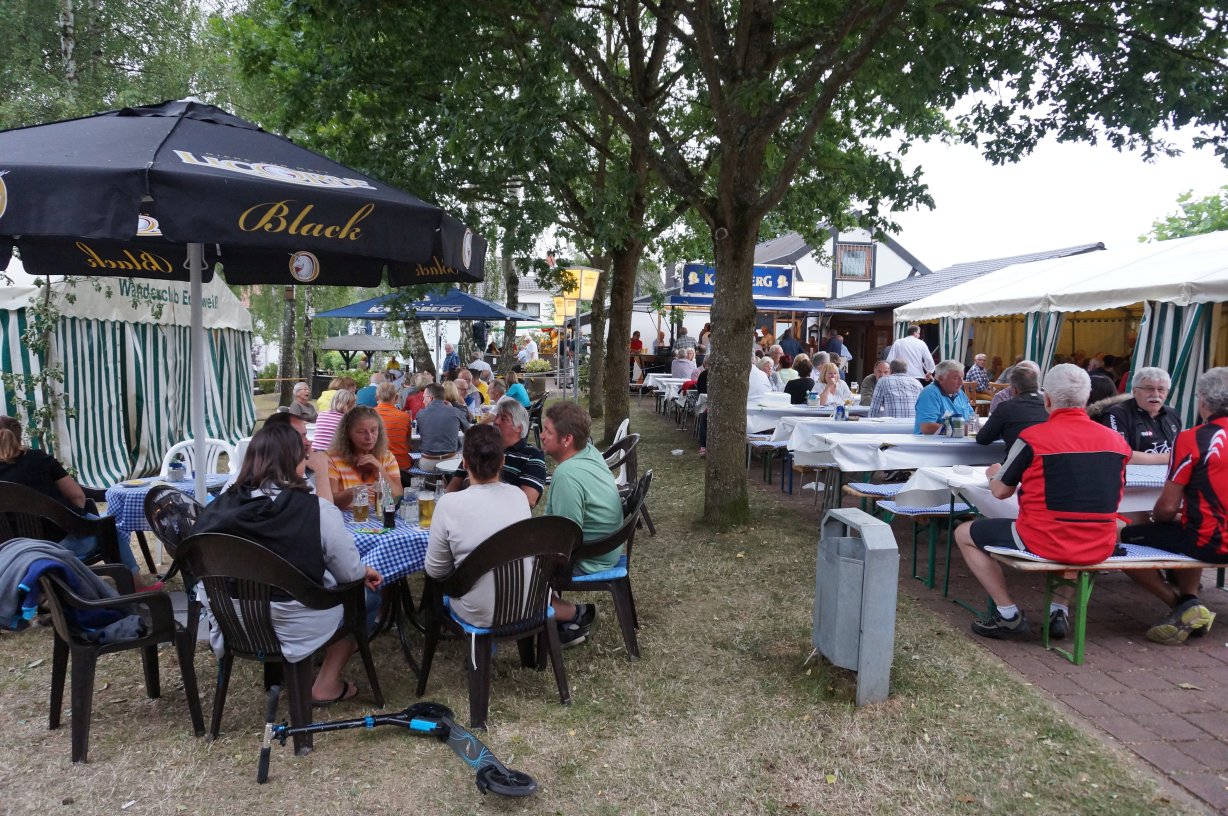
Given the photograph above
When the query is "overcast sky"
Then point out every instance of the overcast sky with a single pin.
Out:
(1061, 195)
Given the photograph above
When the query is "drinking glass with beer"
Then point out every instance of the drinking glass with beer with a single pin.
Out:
(426, 507)
(361, 507)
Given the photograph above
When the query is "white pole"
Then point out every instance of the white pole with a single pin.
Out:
(196, 261)
(575, 345)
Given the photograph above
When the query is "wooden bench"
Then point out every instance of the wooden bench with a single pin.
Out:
(1083, 581)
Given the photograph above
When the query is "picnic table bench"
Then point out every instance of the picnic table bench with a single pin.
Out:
(1137, 557)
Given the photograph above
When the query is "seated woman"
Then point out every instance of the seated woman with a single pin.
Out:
(328, 421)
(786, 371)
(301, 405)
(41, 472)
(466, 518)
(325, 400)
(831, 389)
(516, 391)
(270, 503)
(798, 387)
(357, 455)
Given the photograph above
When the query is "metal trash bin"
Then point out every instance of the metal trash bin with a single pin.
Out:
(855, 581)
(319, 384)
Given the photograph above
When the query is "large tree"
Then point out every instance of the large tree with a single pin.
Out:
(804, 108)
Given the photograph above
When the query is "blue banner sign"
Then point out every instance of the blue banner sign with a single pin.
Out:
(770, 281)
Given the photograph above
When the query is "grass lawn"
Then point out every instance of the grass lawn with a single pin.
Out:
(719, 716)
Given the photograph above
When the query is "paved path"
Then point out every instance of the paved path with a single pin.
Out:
(1163, 703)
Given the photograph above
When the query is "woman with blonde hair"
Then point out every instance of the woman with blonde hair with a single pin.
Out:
(328, 421)
(831, 389)
(359, 452)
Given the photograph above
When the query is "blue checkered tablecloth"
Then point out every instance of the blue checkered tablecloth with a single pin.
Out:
(127, 504)
(393, 553)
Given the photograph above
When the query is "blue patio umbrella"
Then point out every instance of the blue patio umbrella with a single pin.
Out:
(452, 305)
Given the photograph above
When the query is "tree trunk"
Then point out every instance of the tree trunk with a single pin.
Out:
(285, 370)
(625, 261)
(733, 320)
(596, 350)
(68, 42)
(419, 351)
(307, 353)
(507, 355)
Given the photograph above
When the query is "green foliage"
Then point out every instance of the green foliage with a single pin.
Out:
(73, 58)
(1195, 217)
(537, 366)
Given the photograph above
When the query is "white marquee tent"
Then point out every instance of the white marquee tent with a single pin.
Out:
(1177, 282)
(124, 347)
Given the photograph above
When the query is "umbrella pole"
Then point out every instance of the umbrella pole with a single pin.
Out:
(196, 262)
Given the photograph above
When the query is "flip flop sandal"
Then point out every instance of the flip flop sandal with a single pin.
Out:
(348, 691)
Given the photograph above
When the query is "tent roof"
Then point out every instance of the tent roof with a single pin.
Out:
(925, 284)
(1180, 271)
(138, 300)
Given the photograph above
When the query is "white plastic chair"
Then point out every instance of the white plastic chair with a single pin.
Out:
(186, 450)
(621, 478)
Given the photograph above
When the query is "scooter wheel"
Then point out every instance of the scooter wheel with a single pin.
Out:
(505, 782)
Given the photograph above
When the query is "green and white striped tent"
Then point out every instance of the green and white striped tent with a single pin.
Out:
(1174, 280)
(123, 344)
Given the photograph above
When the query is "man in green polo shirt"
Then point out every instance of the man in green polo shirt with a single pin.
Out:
(582, 489)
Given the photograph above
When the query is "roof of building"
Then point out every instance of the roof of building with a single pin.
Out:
(918, 286)
(788, 248)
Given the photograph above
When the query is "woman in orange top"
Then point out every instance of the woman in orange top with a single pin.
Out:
(396, 425)
(358, 453)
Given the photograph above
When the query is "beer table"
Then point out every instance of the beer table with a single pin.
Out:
(762, 416)
(393, 552)
(932, 486)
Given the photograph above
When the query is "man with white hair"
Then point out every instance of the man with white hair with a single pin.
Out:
(1070, 473)
(978, 374)
(451, 360)
(942, 398)
(1148, 425)
(478, 364)
(524, 466)
(366, 394)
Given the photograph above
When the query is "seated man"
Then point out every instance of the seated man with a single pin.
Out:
(583, 490)
(942, 398)
(478, 363)
(1148, 425)
(464, 520)
(1189, 518)
(524, 466)
(682, 368)
(439, 427)
(366, 394)
(978, 374)
(896, 394)
(1070, 473)
(1014, 415)
(881, 369)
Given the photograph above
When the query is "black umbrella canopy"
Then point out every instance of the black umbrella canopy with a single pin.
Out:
(122, 192)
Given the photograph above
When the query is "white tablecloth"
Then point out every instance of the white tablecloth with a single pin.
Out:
(799, 431)
(931, 486)
(761, 417)
(660, 381)
(864, 453)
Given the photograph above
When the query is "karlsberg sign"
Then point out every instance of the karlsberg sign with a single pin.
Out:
(769, 281)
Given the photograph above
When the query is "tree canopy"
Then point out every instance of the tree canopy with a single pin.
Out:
(1195, 216)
